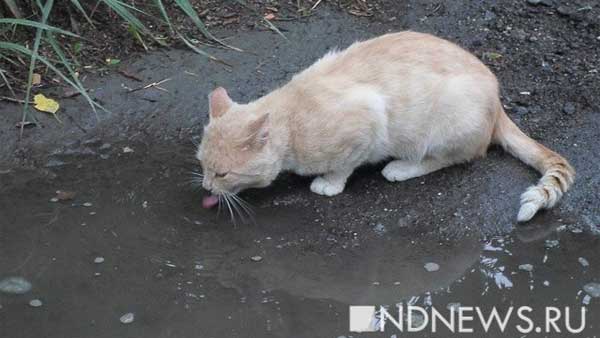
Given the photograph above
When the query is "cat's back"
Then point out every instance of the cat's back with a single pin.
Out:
(404, 52)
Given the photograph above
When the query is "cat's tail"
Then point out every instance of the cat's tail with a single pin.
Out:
(557, 173)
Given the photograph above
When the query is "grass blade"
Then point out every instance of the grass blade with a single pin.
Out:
(33, 57)
(13, 8)
(28, 52)
(38, 25)
(2, 71)
(124, 13)
(163, 12)
(77, 5)
(63, 59)
(187, 8)
(201, 52)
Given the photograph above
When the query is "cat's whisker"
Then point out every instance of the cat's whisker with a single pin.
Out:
(195, 173)
(228, 203)
(246, 211)
(243, 204)
(236, 207)
(219, 205)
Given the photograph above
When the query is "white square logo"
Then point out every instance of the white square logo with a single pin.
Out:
(362, 319)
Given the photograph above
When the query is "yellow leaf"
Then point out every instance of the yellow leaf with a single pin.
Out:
(36, 79)
(45, 104)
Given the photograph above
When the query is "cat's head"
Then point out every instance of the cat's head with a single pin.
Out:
(236, 152)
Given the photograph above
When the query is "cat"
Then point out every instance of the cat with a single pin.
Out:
(421, 101)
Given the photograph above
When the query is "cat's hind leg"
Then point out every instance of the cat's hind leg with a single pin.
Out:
(330, 184)
(401, 170)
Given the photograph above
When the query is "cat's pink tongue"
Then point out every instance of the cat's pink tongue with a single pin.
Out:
(210, 201)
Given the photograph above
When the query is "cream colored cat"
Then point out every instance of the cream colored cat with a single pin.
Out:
(419, 100)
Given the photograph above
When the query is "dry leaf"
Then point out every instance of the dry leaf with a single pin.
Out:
(36, 79)
(45, 104)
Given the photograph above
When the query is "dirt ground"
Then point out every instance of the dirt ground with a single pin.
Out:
(188, 272)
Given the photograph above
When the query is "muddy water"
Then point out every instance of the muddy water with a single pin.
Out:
(187, 272)
(291, 272)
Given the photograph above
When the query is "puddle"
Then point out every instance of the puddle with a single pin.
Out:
(134, 242)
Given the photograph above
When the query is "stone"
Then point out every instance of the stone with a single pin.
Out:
(592, 289)
(431, 267)
(15, 285)
(105, 146)
(526, 267)
(520, 110)
(569, 108)
(127, 318)
(584, 262)
(35, 303)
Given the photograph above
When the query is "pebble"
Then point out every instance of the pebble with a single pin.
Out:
(35, 303)
(15, 285)
(431, 267)
(256, 258)
(551, 243)
(380, 229)
(586, 300)
(99, 260)
(584, 262)
(105, 146)
(569, 108)
(54, 163)
(489, 16)
(592, 289)
(564, 10)
(547, 3)
(526, 267)
(520, 110)
(127, 318)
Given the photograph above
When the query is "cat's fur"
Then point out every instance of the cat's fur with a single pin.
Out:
(421, 101)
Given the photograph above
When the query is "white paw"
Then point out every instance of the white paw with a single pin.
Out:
(323, 187)
(396, 172)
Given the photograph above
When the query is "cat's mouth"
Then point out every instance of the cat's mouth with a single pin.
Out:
(210, 201)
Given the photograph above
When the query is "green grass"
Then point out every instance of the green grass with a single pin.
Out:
(63, 64)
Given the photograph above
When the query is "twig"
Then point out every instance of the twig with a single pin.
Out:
(151, 85)
(10, 99)
(274, 28)
(129, 75)
(7, 83)
(315, 5)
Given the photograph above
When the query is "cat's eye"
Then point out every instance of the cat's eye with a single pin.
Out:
(220, 175)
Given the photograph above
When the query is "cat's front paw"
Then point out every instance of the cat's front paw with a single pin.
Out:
(323, 187)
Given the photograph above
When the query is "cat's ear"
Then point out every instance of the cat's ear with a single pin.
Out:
(219, 102)
(258, 131)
